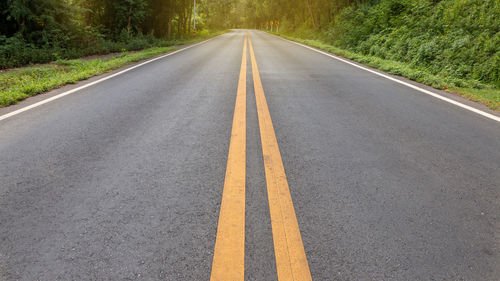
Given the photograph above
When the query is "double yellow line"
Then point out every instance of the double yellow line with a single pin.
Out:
(229, 254)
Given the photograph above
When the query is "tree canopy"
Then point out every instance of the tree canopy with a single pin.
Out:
(60, 21)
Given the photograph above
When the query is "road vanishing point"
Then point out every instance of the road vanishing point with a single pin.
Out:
(249, 157)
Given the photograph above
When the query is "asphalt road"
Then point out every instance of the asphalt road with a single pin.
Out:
(123, 180)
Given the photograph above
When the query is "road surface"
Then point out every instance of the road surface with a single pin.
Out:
(366, 179)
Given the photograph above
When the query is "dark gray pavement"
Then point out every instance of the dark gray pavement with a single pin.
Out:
(123, 180)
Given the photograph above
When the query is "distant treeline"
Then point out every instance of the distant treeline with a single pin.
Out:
(34, 31)
(453, 38)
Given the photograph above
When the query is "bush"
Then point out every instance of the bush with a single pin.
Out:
(454, 38)
(15, 51)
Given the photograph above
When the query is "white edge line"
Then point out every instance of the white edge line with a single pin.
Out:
(15, 112)
(464, 106)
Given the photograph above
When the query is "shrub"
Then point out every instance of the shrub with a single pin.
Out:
(455, 38)
(15, 51)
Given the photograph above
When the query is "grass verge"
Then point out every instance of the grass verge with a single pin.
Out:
(18, 84)
(471, 89)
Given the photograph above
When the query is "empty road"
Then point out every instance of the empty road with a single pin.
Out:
(248, 157)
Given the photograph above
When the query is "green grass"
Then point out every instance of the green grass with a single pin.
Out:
(488, 95)
(18, 84)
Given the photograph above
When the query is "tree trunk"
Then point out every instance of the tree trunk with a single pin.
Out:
(309, 5)
(179, 25)
(129, 20)
(319, 21)
(190, 14)
(185, 23)
(169, 28)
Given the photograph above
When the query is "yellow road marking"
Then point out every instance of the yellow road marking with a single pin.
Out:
(229, 255)
(291, 260)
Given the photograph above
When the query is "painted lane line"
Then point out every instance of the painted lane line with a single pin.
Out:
(291, 260)
(229, 253)
(454, 102)
(13, 113)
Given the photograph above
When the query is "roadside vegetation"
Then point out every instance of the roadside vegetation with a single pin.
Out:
(18, 84)
(448, 44)
(42, 41)
(21, 83)
(475, 90)
(41, 31)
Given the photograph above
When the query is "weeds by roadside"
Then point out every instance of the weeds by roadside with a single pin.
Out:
(470, 89)
(18, 84)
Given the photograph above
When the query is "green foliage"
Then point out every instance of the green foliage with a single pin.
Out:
(18, 84)
(130, 14)
(471, 89)
(40, 22)
(15, 51)
(449, 44)
(445, 43)
(458, 39)
(39, 31)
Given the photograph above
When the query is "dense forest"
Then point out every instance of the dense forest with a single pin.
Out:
(33, 31)
(452, 38)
